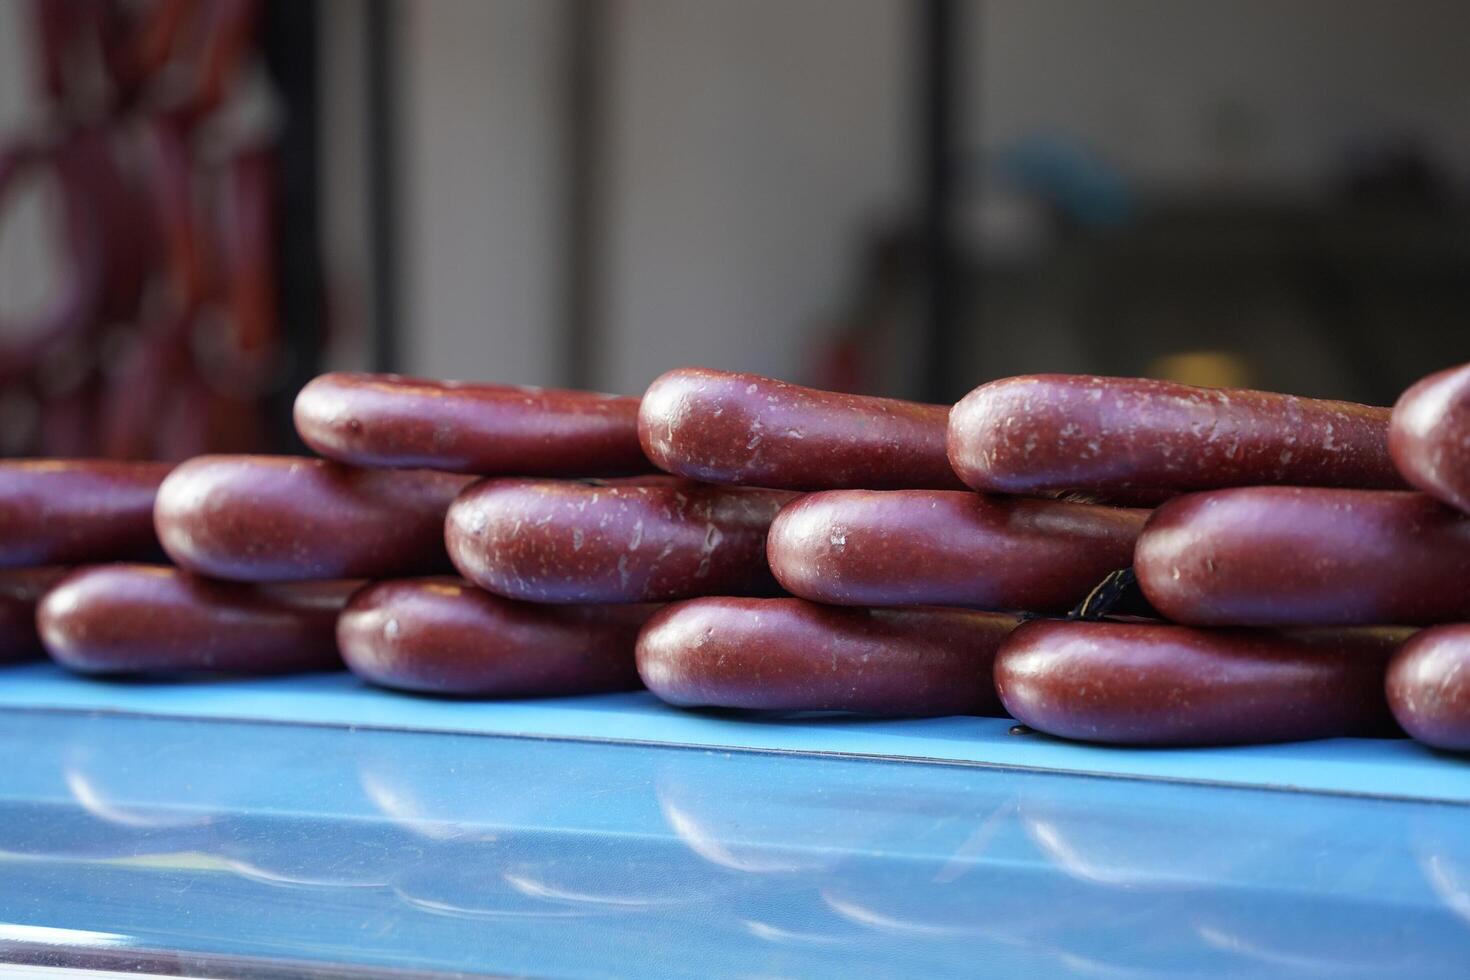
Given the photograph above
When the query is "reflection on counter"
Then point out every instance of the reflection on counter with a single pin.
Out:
(390, 850)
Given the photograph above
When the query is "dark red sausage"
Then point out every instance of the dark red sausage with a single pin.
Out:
(948, 548)
(1155, 684)
(443, 636)
(722, 427)
(461, 427)
(1430, 436)
(144, 618)
(285, 518)
(1429, 687)
(638, 540)
(1293, 556)
(1059, 431)
(71, 511)
(793, 655)
(20, 590)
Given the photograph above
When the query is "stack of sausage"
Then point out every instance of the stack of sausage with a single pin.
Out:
(732, 541)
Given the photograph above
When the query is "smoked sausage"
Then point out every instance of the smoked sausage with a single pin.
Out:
(443, 636)
(1296, 556)
(1429, 687)
(948, 548)
(1048, 432)
(723, 427)
(20, 590)
(1138, 683)
(794, 655)
(152, 618)
(1429, 436)
(72, 511)
(286, 518)
(388, 420)
(636, 540)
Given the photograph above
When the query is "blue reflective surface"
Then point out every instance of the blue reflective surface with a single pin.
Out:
(438, 852)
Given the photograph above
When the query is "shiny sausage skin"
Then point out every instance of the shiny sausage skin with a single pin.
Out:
(948, 548)
(386, 420)
(794, 655)
(722, 427)
(288, 518)
(1048, 432)
(1155, 684)
(74, 511)
(20, 590)
(637, 540)
(1429, 436)
(1295, 556)
(1429, 687)
(112, 619)
(443, 636)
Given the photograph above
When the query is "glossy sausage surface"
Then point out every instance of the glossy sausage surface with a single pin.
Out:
(1156, 684)
(444, 636)
(948, 548)
(1059, 431)
(1429, 687)
(1297, 556)
(794, 655)
(464, 427)
(1430, 436)
(637, 540)
(20, 590)
(71, 511)
(284, 518)
(723, 427)
(154, 618)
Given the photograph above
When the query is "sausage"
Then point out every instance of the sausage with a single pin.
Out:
(1288, 556)
(636, 540)
(1140, 683)
(285, 518)
(722, 427)
(75, 511)
(386, 420)
(1429, 436)
(141, 618)
(1049, 432)
(794, 655)
(948, 548)
(1429, 687)
(20, 590)
(442, 636)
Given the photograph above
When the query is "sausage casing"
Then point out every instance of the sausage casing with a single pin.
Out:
(1048, 432)
(723, 427)
(75, 511)
(443, 636)
(20, 590)
(154, 618)
(1429, 436)
(637, 540)
(1298, 556)
(948, 548)
(1155, 684)
(388, 420)
(794, 655)
(1429, 687)
(288, 518)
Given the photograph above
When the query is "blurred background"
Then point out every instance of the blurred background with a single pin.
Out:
(205, 202)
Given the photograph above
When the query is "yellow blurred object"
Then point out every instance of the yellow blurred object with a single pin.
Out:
(1205, 368)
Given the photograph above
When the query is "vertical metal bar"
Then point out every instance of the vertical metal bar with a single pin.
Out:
(582, 189)
(289, 39)
(381, 112)
(942, 377)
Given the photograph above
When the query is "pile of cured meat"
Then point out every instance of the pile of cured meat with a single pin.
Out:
(1105, 559)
